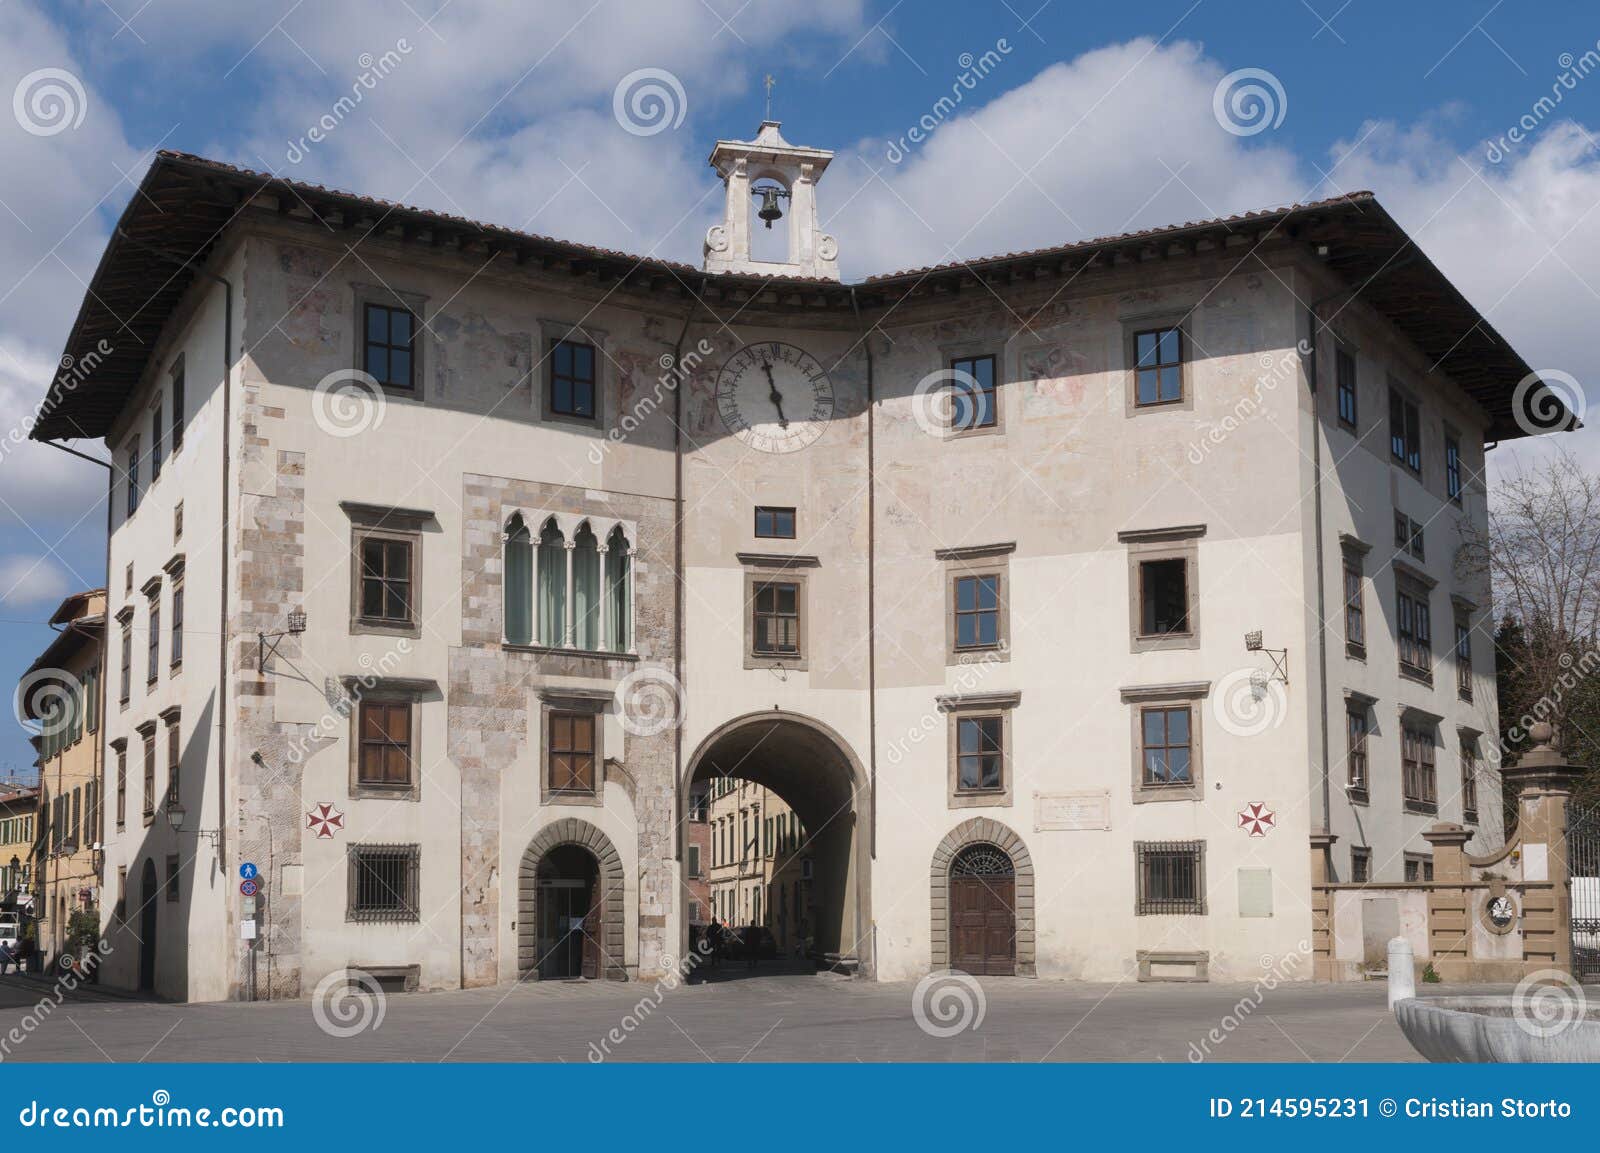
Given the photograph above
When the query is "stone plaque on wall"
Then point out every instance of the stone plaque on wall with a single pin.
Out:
(1090, 809)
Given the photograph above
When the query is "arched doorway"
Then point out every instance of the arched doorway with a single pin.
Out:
(571, 890)
(148, 904)
(815, 898)
(982, 901)
(568, 929)
(983, 912)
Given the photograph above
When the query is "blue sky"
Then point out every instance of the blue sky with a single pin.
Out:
(1091, 119)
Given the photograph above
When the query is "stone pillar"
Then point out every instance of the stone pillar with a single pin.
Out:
(569, 626)
(1449, 906)
(1322, 905)
(605, 597)
(1543, 781)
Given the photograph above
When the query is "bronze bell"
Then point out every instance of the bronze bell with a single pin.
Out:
(769, 206)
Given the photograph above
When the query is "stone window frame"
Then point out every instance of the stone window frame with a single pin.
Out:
(1462, 610)
(174, 870)
(383, 522)
(1179, 542)
(1132, 327)
(1417, 586)
(959, 707)
(1424, 868)
(1408, 397)
(119, 746)
(411, 691)
(1140, 697)
(764, 569)
(1467, 739)
(1000, 350)
(170, 717)
(551, 331)
(150, 801)
(567, 699)
(415, 303)
(1348, 350)
(151, 591)
(1353, 560)
(1363, 854)
(175, 569)
(125, 656)
(410, 912)
(1359, 703)
(1422, 724)
(1452, 447)
(977, 561)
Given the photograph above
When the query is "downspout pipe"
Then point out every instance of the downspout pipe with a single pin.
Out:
(680, 799)
(872, 583)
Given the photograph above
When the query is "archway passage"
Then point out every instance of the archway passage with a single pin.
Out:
(571, 901)
(792, 871)
(981, 879)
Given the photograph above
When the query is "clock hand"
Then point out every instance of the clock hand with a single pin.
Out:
(774, 395)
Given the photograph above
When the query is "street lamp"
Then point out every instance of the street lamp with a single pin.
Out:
(177, 814)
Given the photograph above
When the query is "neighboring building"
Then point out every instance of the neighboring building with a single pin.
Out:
(960, 562)
(760, 861)
(61, 696)
(696, 860)
(19, 815)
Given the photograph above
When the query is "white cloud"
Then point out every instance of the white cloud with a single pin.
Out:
(29, 580)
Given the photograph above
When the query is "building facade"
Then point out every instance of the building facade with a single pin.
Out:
(19, 815)
(1046, 591)
(60, 695)
(760, 864)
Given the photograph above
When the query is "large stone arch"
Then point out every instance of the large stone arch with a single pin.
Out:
(815, 769)
(982, 830)
(612, 879)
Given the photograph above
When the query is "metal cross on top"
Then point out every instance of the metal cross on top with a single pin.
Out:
(769, 82)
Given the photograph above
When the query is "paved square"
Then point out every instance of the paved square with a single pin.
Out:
(769, 1017)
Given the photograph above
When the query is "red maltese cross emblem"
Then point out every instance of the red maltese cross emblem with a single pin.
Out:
(1255, 818)
(324, 820)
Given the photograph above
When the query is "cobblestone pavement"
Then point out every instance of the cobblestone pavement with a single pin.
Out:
(767, 1017)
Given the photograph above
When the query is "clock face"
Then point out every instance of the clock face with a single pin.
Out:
(775, 397)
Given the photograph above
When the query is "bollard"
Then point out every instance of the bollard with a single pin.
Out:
(1402, 971)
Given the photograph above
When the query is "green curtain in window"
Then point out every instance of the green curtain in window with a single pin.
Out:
(552, 586)
(621, 615)
(519, 583)
(586, 590)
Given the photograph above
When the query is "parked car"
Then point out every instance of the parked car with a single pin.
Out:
(10, 930)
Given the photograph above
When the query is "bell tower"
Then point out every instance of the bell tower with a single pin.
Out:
(776, 173)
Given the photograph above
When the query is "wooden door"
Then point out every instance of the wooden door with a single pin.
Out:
(591, 939)
(983, 925)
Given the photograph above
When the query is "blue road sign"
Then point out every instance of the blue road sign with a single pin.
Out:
(249, 871)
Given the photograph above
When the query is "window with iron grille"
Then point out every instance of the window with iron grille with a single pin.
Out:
(1360, 865)
(1171, 877)
(1345, 371)
(572, 768)
(383, 883)
(1356, 732)
(1414, 630)
(1405, 431)
(777, 619)
(1419, 867)
(1419, 780)
(1355, 613)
